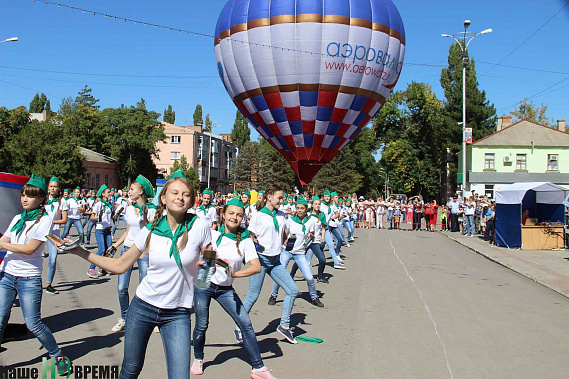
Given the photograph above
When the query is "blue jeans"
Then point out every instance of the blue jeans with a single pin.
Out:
(51, 263)
(470, 225)
(116, 223)
(104, 241)
(175, 331)
(124, 281)
(349, 228)
(352, 225)
(330, 242)
(85, 220)
(337, 234)
(273, 267)
(89, 228)
(76, 222)
(29, 291)
(302, 263)
(230, 302)
(315, 249)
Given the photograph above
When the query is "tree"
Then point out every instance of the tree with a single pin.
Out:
(244, 168)
(339, 175)
(11, 124)
(529, 111)
(363, 148)
(190, 173)
(42, 103)
(169, 115)
(208, 124)
(35, 106)
(273, 168)
(81, 121)
(198, 116)
(240, 132)
(86, 98)
(48, 108)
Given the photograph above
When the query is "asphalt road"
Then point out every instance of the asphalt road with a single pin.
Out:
(409, 305)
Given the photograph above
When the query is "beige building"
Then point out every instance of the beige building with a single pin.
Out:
(195, 144)
(99, 169)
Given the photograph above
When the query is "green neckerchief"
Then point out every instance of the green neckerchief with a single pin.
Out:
(204, 209)
(149, 205)
(285, 202)
(244, 234)
(92, 198)
(320, 217)
(297, 219)
(106, 203)
(162, 229)
(26, 216)
(328, 205)
(273, 214)
(50, 202)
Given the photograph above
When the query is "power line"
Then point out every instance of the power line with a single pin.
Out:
(542, 92)
(30, 89)
(527, 39)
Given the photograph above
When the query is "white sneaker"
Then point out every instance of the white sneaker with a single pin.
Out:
(348, 244)
(119, 327)
(262, 373)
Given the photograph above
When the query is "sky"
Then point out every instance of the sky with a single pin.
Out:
(61, 50)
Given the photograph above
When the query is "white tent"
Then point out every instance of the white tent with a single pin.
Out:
(546, 193)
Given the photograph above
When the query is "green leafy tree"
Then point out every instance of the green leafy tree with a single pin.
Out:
(340, 175)
(80, 120)
(527, 110)
(48, 108)
(244, 168)
(208, 124)
(240, 133)
(86, 97)
(42, 103)
(169, 115)
(273, 168)
(198, 116)
(11, 124)
(363, 148)
(190, 173)
(35, 105)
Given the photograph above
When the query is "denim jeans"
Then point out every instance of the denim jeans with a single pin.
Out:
(89, 227)
(300, 260)
(104, 241)
(52, 261)
(349, 228)
(489, 233)
(29, 291)
(76, 222)
(338, 237)
(469, 225)
(273, 267)
(124, 281)
(230, 302)
(175, 331)
(352, 225)
(116, 223)
(330, 242)
(85, 220)
(315, 249)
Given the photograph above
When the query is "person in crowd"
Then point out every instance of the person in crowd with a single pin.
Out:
(443, 218)
(207, 210)
(489, 216)
(433, 216)
(525, 216)
(326, 208)
(397, 213)
(56, 208)
(121, 204)
(469, 210)
(316, 247)
(91, 200)
(454, 208)
(246, 199)
(102, 214)
(21, 269)
(75, 208)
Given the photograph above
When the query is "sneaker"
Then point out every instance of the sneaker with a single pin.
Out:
(197, 367)
(348, 244)
(352, 240)
(103, 273)
(63, 365)
(52, 291)
(83, 246)
(316, 302)
(272, 300)
(119, 327)
(287, 333)
(340, 259)
(339, 266)
(91, 273)
(238, 336)
(262, 373)
(44, 255)
(321, 279)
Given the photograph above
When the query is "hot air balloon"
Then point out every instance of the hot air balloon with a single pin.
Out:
(309, 75)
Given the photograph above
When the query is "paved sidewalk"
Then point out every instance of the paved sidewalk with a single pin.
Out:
(547, 267)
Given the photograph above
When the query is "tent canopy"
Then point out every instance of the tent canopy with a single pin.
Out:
(545, 193)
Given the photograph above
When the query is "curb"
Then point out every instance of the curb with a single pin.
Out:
(509, 267)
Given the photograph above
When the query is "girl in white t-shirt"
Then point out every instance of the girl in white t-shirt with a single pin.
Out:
(75, 209)
(102, 214)
(234, 246)
(56, 208)
(137, 216)
(20, 272)
(173, 243)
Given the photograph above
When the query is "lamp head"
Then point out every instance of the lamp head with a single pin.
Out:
(466, 24)
(486, 31)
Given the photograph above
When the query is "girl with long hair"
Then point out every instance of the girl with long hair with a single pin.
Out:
(75, 208)
(326, 208)
(21, 269)
(56, 208)
(102, 214)
(233, 246)
(173, 243)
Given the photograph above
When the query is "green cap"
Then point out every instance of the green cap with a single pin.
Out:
(237, 202)
(248, 193)
(79, 188)
(333, 194)
(207, 191)
(301, 201)
(349, 200)
(145, 183)
(38, 181)
(178, 174)
(101, 190)
(261, 191)
(326, 193)
(112, 189)
(66, 191)
(340, 200)
(54, 179)
(315, 197)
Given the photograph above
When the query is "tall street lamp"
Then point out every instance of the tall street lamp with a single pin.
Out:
(463, 39)
(13, 39)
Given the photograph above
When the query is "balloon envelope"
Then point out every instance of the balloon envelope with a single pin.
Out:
(309, 74)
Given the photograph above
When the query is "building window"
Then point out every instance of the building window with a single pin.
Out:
(175, 155)
(175, 139)
(521, 162)
(489, 190)
(97, 182)
(552, 162)
(489, 161)
(107, 180)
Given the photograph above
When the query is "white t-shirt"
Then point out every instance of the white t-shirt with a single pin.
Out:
(296, 229)
(105, 217)
(380, 207)
(55, 214)
(316, 225)
(270, 238)
(135, 223)
(73, 212)
(333, 222)
(122, 203)
(210, 214)
(90, 202)
(165, 284)
(227, 250)
(469, 209)
(21, 264)
(247, 216)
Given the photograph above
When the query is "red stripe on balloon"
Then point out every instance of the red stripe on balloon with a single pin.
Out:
(327, 99)
(343, 129)
(368, 106)
(338, 115)
(258, 118)
(274, 100)
(293, 114)
(242, 108)
(274, 129)
(308, 127)
(302, 153)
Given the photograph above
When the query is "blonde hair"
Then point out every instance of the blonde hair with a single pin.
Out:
(145, 198)
(270, 191)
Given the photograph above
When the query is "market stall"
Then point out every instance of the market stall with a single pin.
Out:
(546, 205)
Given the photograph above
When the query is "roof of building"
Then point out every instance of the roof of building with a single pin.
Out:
(523, 133)
(171, 128)
(93, 156)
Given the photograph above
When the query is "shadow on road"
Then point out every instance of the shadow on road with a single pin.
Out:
(70, 286)
(74, 317)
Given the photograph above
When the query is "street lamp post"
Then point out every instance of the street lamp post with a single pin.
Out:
(386, 181)
(463, 39)
(13, 39)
